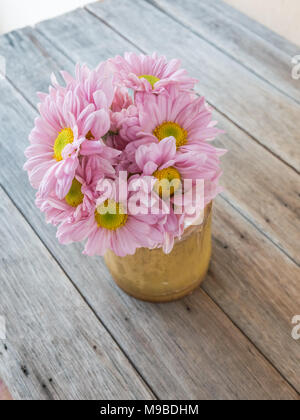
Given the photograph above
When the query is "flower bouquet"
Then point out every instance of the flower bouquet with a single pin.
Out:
(121, 159)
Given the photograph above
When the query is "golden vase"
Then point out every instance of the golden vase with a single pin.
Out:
(153, 276)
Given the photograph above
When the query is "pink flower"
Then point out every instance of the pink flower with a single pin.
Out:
(184, 116)
(173, 229)
(188, 120)
(80, 200)
(124, 128)
(124, 120)
(95, 86)
(178, 174)
(65, 123)
(154, 74)
(157, 158)
(113, 225)
(136, 114)
(122, 100)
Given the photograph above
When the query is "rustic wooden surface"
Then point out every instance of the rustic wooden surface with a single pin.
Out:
(72, 334)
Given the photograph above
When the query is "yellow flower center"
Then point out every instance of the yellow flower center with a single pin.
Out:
(168, 129)
(65, 137)
(74, 196)
(169, 181)
(110, 215)
(151, 79)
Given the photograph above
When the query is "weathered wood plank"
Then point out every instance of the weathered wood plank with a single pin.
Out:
(275, 208)
(263, 188)
(30, 79)
(247, 100)
(24, 47)
(252, 25)
(194, 353)
(55, 348)
(255, 53)
(258, 287)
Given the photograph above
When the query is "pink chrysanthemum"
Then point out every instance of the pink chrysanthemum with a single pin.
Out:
(80, 200)
(124, 128)
(95, 86)
(94, 128)
(154, 74)
(124, 120)
(177, 175)
(66, 122)
(185, 117)
(112, 225)
(122, 100)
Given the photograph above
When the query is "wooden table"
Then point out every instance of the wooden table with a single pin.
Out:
(71, 333)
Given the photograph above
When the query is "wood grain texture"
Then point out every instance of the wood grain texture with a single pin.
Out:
(261, 187)
(233, 38)
(246, 99)
(188, 348)
(258, 287)
(55, 348)
(275, 209)
(191, 349)
(252, 25)
(28, 72)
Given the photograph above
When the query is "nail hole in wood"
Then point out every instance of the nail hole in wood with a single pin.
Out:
(25, 370)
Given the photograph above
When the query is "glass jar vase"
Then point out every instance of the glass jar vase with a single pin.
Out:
(154, 276)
